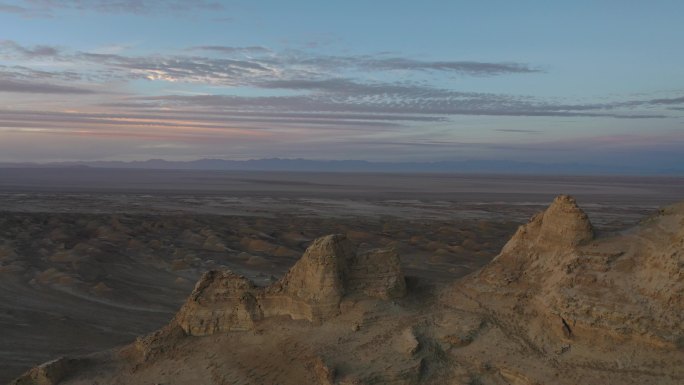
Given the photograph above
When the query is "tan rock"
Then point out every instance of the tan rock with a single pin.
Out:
(559, 284)
(377, 274)
(312, 289)
(324, 373)
(49, 373)
(317, 279)
(557, 306)
(221, 301)
(562, 226)
(407, 343)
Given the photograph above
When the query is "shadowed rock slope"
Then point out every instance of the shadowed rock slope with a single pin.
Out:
(558, 305)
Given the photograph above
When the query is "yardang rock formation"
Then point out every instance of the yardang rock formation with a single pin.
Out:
(558, 305)
(312, 290)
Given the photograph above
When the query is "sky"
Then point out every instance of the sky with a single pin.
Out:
(598, 82)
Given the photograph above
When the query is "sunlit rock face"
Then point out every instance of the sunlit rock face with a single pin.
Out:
(221, 301)
(562, 226)
(312, 289)
(562, 285)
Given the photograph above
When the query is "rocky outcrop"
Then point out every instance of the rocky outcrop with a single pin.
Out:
(49, 373)
(315, 285)
(554, 280)
(312, 289)
(550, 239)
(557, 305)
(325, 375)
(561, 227)
(221, 301)
(378, 274)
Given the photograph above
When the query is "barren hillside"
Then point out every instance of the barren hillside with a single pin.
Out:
(557, 305)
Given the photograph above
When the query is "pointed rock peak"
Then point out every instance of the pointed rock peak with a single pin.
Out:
(312, 289)
(221, 301)
(318, 277)
(215, 281)
(565, 203)
(565, 223)
(561, 226)
(334, 246)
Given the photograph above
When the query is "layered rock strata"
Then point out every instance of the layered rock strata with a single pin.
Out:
(563, 286)
(311, 290)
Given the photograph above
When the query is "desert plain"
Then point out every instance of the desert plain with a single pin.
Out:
(91, 260)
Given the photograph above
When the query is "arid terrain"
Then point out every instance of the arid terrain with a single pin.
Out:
(90, 261)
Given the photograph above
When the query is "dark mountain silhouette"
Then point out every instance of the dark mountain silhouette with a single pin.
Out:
(280, 164)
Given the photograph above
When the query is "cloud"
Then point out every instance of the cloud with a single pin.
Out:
(25, 73)
(340, 86)
(273, 71)
(637, 103)
(191, 69)
(464, 67)
(8, 85)
(231, 50)
(262, 67)
(381, 62)
(47, 8)
(679, 100)
(312, 83)
(390, 99)
(518, 131)
(203, 112)
(190, 121)
(26, 12)
(9, 8)
(9, 47)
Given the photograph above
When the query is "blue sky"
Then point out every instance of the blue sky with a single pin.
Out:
(578, 81)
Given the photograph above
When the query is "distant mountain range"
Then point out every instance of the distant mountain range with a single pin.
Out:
(278, 164)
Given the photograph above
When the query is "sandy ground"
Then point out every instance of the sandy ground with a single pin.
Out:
(91, 258)
(346, 185)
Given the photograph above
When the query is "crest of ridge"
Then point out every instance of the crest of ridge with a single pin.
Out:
(312, 289)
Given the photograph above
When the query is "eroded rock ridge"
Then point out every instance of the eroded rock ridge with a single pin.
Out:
(312, 289)
(558, 305)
